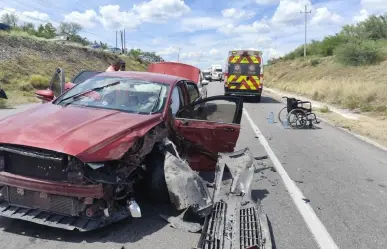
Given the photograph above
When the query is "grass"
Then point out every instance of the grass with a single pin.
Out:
(324, 109)
(33, 68)
(356, 88)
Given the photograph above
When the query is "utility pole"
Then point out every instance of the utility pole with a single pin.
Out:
(178, 54)
(306, 12)
(116, 39)
(124, 40)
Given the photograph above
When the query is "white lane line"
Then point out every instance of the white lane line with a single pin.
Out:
(320, 233)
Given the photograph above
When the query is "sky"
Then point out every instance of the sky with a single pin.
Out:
(200, 32)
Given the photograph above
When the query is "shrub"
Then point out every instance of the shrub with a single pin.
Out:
(39, 81)
(3, 104)
(314, 62)
(359, 53)
(27, 87)
(324, 109)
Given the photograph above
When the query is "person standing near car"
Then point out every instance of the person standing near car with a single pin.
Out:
(117, 65)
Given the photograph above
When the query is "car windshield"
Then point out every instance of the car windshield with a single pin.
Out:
(218, 70)
(128, 95)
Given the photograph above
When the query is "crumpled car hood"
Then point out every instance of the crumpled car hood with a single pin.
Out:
(89, 133)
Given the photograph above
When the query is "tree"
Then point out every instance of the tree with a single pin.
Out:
(69, 28)
(29, 28)
(10, 19)
(49, 30)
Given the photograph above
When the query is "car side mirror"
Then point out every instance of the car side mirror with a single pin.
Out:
(205, 82)
(45, 95)
(2, 94)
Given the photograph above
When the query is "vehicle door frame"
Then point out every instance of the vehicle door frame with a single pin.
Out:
(186, 145)
(60, 73)
(82, 71)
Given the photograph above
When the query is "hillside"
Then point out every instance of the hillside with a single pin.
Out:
(28, 63)
(361, 89)
(346, 69)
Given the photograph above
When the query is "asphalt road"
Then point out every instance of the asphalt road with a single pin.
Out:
(343, 179)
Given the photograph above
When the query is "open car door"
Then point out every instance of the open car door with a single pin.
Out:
(84, 75)
(56, 88)
(207, 127)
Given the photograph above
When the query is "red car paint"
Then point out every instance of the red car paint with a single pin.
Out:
(95, 135)
(174, 68)
(92, 135)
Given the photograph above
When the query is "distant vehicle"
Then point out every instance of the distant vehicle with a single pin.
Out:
(114, 50)
(5, 27)
(244, 74)
(189, 72)
(207, 74)
(95, 46)
(216, 72)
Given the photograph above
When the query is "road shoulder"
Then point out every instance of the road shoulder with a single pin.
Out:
(368, 129)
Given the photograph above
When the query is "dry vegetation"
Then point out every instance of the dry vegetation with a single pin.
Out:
(28, 63)
(347, 69)
(357, 88)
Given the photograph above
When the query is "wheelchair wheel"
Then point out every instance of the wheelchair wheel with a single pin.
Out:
(283, 115)
(297, 118)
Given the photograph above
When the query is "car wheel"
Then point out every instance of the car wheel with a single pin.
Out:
(257, 98)
(155, 178)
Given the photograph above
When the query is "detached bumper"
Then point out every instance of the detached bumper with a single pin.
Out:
(236, 221)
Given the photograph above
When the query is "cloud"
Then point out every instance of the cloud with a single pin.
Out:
(168, 51)
(267, 2)
(34, 17)
(214, 51)
(113, 18)
(261, 27)
(361, 16)
(237, 13)
(191, 24)
(161, 10)
(288, 11)
(375, 6)
(325, 16)
(86, 19)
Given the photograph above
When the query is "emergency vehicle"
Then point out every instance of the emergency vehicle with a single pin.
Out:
(244, 74)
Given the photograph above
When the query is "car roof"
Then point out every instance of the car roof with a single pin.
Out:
(156, 77)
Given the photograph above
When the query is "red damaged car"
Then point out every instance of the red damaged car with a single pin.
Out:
(80, 160)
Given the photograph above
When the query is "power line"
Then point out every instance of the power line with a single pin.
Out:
(306, 19)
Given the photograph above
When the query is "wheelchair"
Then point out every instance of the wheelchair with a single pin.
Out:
(298, 113)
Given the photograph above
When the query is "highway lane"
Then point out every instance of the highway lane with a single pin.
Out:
(343, 177)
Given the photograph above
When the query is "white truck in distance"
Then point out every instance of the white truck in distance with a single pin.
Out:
(216, 72)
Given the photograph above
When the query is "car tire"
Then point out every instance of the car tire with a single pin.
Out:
(257, 98)
(155, 178)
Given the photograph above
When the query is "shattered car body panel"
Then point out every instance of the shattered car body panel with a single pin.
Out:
(186, 188)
